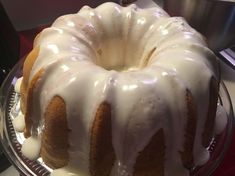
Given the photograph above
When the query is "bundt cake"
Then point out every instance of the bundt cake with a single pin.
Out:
(119, 91)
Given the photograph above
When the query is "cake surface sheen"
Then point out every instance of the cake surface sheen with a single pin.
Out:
(119, 91)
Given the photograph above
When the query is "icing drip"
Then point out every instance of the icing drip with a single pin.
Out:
(18, 123)
(31, 147)
(141, 63)
(221, 120)
(17, 85)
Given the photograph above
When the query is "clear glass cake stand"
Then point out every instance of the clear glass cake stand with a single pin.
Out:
(11, 143)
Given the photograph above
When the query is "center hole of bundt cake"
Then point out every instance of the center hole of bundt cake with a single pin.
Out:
(122, 58)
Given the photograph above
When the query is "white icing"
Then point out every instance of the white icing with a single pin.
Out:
(221, 119)
(19, 123)
(17, 85)
(143, 98)
(31, 147)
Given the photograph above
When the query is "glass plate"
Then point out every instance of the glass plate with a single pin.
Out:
(11, 140)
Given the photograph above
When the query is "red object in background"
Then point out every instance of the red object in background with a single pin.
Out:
(226, 168)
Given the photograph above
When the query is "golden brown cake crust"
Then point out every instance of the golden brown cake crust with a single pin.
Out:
(28, 65)
(54, 150)
(29, 102)
(150, 161)
(102, 154)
